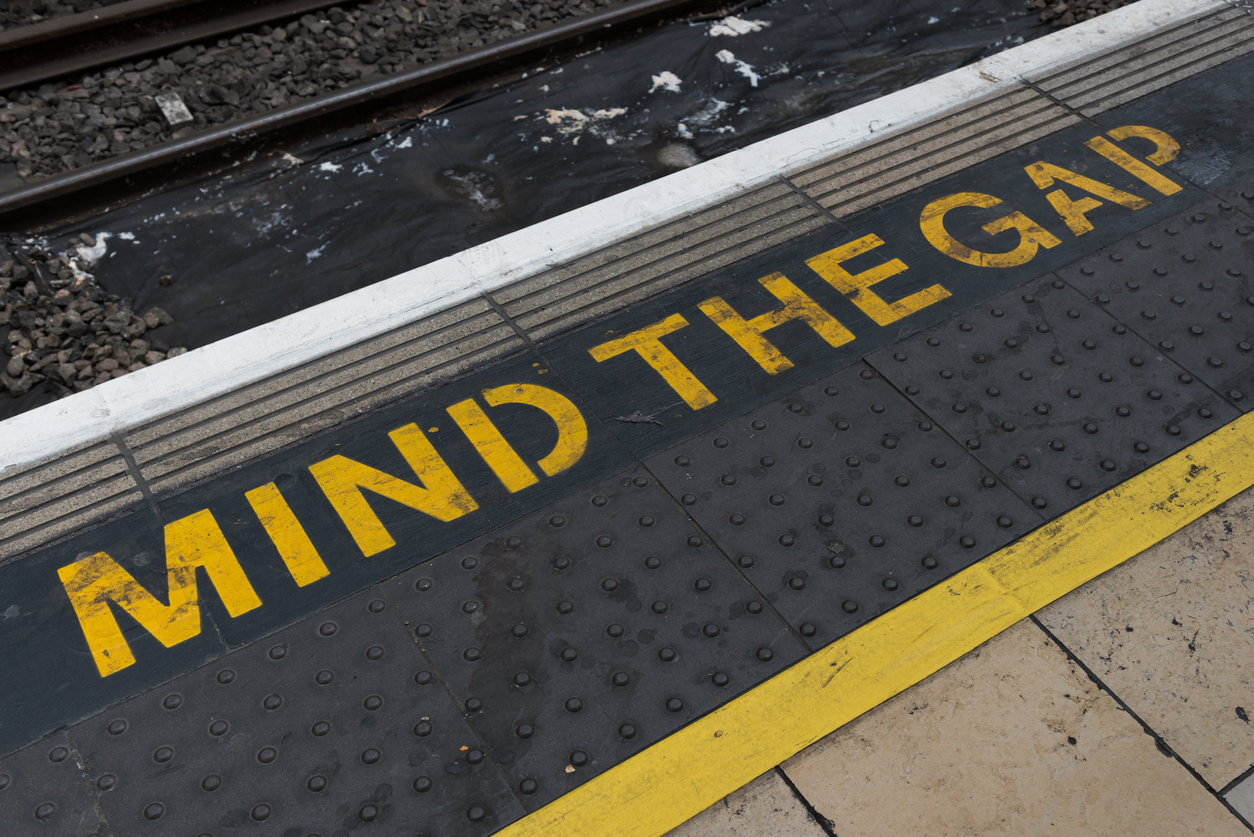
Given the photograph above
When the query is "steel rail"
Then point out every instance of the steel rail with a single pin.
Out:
(114, 182)
(72, 43)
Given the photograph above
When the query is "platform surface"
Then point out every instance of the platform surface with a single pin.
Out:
(1116, 710)
(589, 546)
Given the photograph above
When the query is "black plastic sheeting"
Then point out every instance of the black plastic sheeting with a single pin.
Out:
(288, 231)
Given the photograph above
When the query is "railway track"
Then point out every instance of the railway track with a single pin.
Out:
(124, 31)
(88, 190)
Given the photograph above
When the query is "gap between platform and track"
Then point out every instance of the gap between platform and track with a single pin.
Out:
(682, 775)
(253, 356)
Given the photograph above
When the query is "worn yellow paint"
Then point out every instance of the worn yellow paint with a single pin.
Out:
(1032, 235)
(647, 342)
(190, 542)
(1167, 149)
(857, 286)
(1073, 212)
(501, 457)
(656, 790)
(289, 538)
(441, 495)
(572, 430)
(749, 334)
(1045, 175)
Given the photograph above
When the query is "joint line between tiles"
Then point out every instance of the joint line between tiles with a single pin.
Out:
(132, 467)
(1159, 741)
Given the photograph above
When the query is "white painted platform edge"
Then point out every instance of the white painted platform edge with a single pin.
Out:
(251, 356)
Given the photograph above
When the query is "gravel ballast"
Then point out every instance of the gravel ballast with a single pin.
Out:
(62, 126)
(1063, 13)
(15, 13)
(65, 331)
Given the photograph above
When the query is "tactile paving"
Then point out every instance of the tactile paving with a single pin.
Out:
(842, 501)
(328, 726)
(486, 682)
(578, 636)
(43, 792)
(1057, 398)
(1185, 286)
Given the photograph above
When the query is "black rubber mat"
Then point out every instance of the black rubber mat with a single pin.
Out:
(582, 634)
(333, 723)
(61, 677)
(842, 501)
(1057, 398)
(1185, 286)
(45, 792)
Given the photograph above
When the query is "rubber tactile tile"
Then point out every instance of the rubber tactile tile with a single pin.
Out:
(1185, 286)
(325, 727)
(43, 792)
(842, 501)
(578, 636)
(1243, 195)
(1057, 398)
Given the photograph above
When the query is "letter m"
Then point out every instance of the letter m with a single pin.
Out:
(194, 541)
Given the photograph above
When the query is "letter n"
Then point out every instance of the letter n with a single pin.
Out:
(441, 495)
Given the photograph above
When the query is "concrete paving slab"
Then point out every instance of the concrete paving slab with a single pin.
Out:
(1169, 633)
(1014, 738)
(1241, 797)
(764, 806)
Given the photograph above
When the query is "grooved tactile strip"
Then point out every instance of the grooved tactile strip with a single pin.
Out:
(1097, 85)
(870, 176)
(580, 635)
(654, 261)
(1185, 286)
(327, 726)
(71, 491)
(283, 410)
(842, 500)
(1058, 399)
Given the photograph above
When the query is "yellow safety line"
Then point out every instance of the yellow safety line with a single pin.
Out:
(677, 778)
